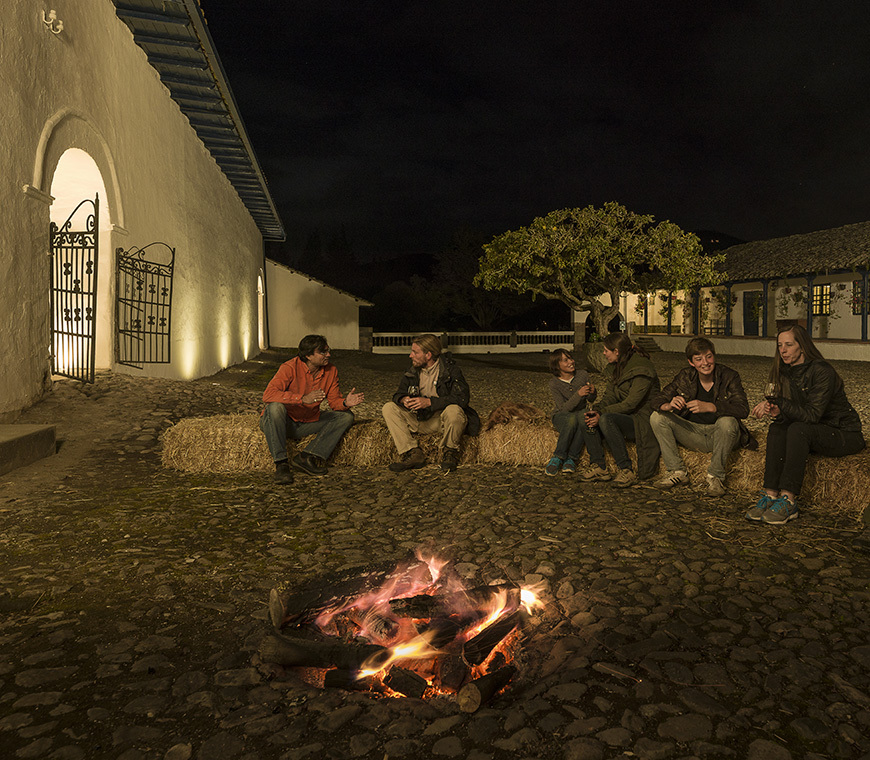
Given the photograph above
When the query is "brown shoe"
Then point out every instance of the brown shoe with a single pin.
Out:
(282, 473)
(624, 479)
(449, 459)
(595, 472)
(411, 460)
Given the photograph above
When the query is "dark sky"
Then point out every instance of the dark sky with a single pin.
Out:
(402, 121)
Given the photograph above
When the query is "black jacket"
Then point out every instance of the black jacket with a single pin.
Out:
(728, 396)
(451, 387)
(813, 392)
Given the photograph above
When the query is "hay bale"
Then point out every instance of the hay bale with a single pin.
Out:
(233, 443)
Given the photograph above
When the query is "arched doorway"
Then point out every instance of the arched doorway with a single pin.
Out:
(261, 312)
(76, 179)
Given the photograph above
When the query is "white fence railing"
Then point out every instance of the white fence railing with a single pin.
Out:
(479, 342)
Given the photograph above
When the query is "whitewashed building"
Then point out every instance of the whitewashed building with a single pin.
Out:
(135, 208)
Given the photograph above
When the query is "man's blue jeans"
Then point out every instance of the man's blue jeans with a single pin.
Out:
(277, 427)
(616, 428)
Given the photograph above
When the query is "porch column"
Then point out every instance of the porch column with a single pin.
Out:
(696, 313)
(864, 305)
(728, 309)
(670, 310)
(810, 280)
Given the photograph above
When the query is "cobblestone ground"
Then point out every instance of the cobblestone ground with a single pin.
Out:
(133, 598)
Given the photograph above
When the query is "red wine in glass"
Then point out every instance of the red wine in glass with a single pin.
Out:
(771, 393)
(414, 391)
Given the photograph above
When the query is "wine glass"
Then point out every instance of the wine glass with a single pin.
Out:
(414, 391)
(771, 392)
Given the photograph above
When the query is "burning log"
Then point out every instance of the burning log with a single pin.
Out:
(308, 601)
(482, 689)
(446, 629)
(371, 622)
(452, 672)
(406, 682)
(426, 605)
(478, 648)
(284, 650)
(348, 680)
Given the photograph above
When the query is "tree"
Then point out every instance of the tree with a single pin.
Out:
(455, 270)
(578, 255)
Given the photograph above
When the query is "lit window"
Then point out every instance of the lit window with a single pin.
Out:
(821, 300)
(857, 301)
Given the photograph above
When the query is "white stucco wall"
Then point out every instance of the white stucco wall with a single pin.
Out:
(91, 88)
(299, 306)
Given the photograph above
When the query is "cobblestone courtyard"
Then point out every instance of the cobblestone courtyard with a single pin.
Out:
(134, 597)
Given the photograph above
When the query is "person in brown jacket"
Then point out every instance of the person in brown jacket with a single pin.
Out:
(700, 409)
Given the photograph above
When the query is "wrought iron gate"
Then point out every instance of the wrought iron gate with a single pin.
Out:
(74, 268)
(144, 294)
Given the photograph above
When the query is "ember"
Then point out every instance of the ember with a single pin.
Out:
(411, 630)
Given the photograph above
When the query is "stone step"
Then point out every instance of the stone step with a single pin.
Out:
(22, 444)
(646, 343)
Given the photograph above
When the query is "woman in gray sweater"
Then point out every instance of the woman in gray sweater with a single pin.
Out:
(570, 390)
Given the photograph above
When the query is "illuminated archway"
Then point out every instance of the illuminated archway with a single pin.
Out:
(261, 311)
(76, 178)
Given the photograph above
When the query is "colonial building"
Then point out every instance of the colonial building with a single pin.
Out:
(818, 279)
(135, 208)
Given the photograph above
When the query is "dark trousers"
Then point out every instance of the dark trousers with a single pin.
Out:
(570, 426)
(615, 430)
(789, 445)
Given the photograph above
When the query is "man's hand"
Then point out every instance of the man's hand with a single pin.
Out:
(353, 398)
(314, 397)
(416, 403)
(591, 419)
(676, 404)
(697, 407)
(585, 390)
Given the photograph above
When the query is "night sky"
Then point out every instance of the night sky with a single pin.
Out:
(399, 122)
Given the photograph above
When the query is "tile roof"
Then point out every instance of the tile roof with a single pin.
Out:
(839, 249)
(174, 36)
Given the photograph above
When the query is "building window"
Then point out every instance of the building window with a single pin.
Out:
(857, 301)
(821, 300)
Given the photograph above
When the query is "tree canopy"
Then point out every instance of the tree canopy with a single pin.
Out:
(578, 255)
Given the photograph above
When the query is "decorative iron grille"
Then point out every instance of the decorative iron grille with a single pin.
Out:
(144, 293)
(74, 268)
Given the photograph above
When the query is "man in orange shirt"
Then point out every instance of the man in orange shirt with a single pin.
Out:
(293, 398)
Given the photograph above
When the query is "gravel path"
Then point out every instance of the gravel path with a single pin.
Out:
(134, 597)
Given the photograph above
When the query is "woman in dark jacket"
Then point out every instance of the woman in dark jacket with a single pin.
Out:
(811, 414)
(623, 413)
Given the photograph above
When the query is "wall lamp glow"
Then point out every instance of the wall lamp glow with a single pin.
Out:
(52, 22)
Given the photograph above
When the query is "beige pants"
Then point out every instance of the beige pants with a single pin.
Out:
(402, 425)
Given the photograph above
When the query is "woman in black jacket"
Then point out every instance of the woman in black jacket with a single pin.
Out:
(811, 414)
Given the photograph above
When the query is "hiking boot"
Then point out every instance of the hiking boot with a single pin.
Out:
(309, 463)
(568, 467)
(553, 466)
(411, 460)
(595, 472)
(715, 487)
(780, 511)
(756, 513)
(624, 479)
(675, 478)
(449, 459)
(282, 473)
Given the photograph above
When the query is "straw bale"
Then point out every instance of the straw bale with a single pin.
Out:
(234, 443)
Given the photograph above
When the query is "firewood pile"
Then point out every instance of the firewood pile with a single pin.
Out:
(411, 629)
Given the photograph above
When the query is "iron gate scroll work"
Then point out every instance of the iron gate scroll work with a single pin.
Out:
(74, 260)
(144, 292)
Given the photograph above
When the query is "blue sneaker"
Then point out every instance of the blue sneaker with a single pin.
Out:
(781, 511)
(756, 514)
(568, 467)
(553, 466)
